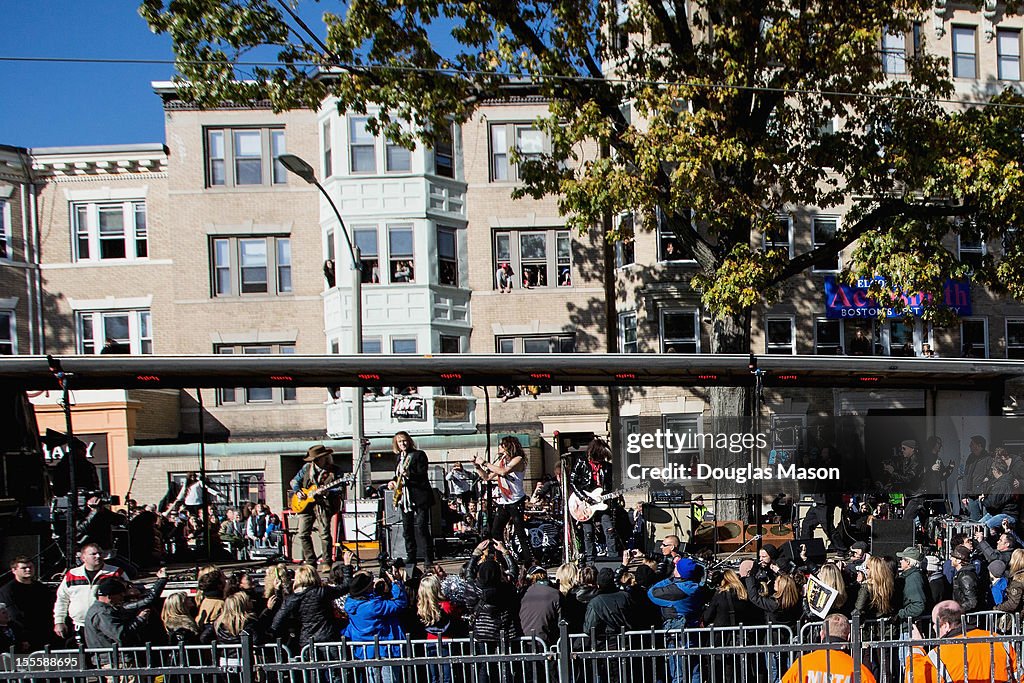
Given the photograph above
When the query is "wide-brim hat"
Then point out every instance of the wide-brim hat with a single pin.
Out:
(360, 584)
(317, 451)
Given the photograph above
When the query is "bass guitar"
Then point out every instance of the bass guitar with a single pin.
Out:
(307, 496)
(583, 510)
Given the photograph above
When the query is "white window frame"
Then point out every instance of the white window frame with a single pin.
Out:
(395, 153)
(666, 233)
(665, 342)
(277, 271)
(231, 396)
(1015, 343)
(966, 32)
(369, 254)
(625, 345)
(886, 340)
(394, 258)
(1008, 50)
(841, 348)
(85, 230)
(512, 133)
(451, 261)
(6, 248)
(90, 339)
(8, 323)
(272, 171)
(772, 244)
(444, 149)
(351, 129)
(327, 143)
(554, 265)
(815, 243)
(682, 423)
(894, 53)
(630, 425)
(558, 342)
(777, 348)
(984, 333)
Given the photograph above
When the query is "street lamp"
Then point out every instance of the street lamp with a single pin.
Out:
(301, 168)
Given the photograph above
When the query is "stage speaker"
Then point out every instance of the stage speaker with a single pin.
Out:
(815, 550)
(291, 522)
(890, 536)
(777, 534)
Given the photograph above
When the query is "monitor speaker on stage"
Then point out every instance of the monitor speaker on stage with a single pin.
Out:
(890, 536)
(815, 549)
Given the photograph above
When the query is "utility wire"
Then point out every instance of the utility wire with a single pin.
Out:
(635, 82)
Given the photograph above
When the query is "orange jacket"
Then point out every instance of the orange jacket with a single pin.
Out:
(825, 666)
(945, 664)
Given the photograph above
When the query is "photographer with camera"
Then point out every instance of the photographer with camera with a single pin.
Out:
(97, 521)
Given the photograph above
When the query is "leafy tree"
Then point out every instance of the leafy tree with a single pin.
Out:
(730, 105)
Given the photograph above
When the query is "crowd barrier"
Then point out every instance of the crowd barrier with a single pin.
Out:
(750, 654)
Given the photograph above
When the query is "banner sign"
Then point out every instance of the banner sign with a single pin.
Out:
(408, 408)
(852, 301)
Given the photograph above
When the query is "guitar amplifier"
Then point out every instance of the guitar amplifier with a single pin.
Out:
(670, 496)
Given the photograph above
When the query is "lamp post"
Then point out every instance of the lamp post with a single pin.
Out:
(301, 168)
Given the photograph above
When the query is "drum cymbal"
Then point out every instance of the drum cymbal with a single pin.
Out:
(655, 515)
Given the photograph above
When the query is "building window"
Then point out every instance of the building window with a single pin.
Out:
(669, 248)
(680, 332)
(328, 143)
(971, 251)
(901, 338)
(542, 258)
(255, 395)
(447, 257)
(630, 426)
(397, 159)
(824, 231)
(362, 146)
(779, 236)
(5, 230)
(128, 330)
(680, 424)
(558, 343)
(251, 265)
(366, 240)
(974, 338)
(863, 338)
(1015, 338)
(625, 246)
(530, 143)
(965, 52)
(240, 157)
(828, 337)
(8, 334)
(444, 153)
(404, 345)
(1008, 47)
(780, 335)
(451, 344)
(894, 53)
(627, 333)
(400, 253)
(110, 230)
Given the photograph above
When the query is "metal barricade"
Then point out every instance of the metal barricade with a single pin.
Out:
(424, 661)
(752, 654)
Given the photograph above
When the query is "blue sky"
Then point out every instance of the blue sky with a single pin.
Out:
(59, 104)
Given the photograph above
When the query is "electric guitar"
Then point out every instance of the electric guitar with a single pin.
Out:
(305, 497)
(583, 510)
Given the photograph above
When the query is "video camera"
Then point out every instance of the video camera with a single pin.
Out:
(61, 502)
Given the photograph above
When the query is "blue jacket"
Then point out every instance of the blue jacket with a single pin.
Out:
(678, 600)
(372, 616)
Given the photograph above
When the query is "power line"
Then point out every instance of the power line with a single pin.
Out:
(635, 82)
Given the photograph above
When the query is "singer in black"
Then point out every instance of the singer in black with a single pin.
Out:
(590, 472)
(414, 497)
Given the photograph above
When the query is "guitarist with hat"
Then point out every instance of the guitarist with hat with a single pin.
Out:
(592, 471)
(319, 472)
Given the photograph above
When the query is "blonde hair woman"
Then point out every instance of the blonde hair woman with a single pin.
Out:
(568, 576)
(237, 616)
(832, 576)
(179, 619)
(311, 605)
(876, 590)
(729, 605)
(1013, 598)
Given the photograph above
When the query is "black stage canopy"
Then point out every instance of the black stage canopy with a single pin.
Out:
(174, 372)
